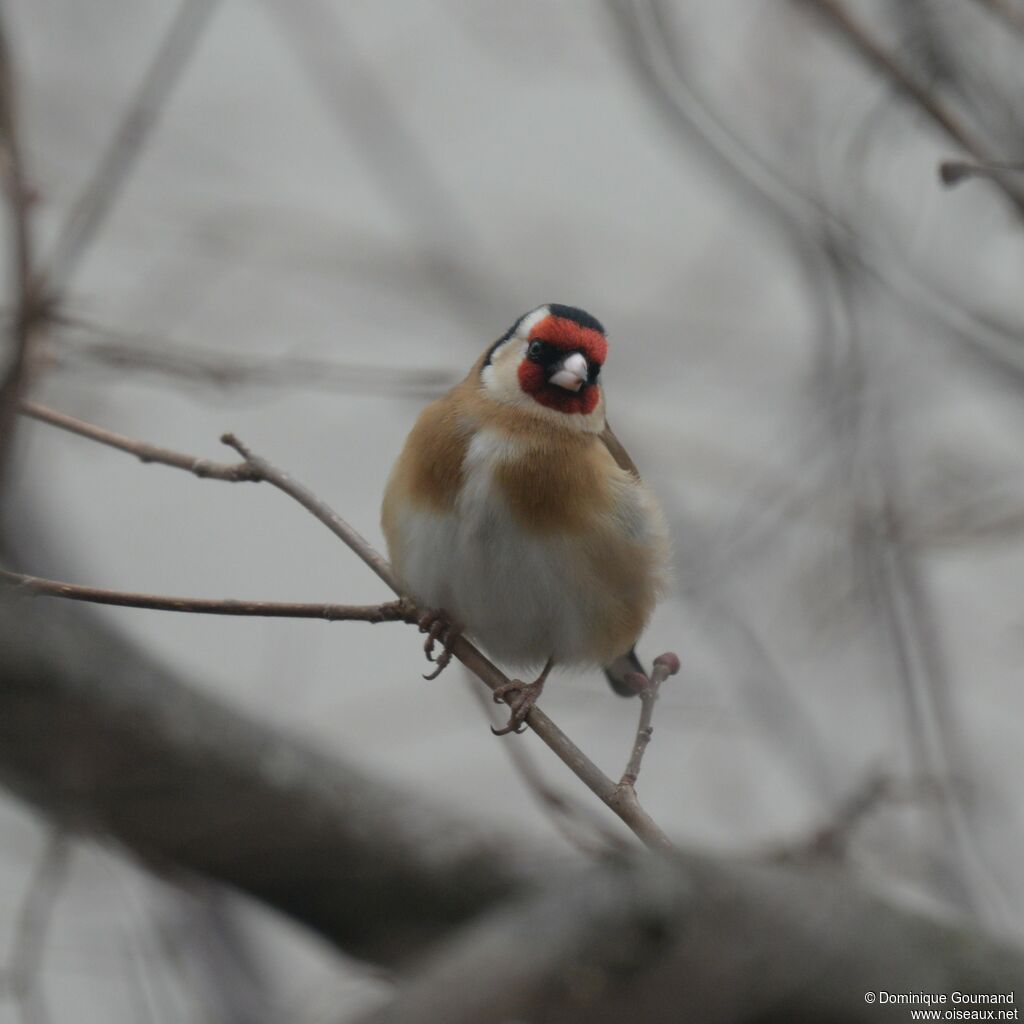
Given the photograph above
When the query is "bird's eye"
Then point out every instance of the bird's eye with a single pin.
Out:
(536, 350)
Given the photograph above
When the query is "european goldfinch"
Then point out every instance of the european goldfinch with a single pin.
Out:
(515, 513)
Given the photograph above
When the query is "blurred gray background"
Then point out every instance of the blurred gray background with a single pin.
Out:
(817, 361)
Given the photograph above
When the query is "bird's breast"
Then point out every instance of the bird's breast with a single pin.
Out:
(549, 485)
(540, 555)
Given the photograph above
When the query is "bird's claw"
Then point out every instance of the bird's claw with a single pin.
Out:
(438, 627)
(520, 705)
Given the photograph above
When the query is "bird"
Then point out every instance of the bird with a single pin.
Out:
(515, 516)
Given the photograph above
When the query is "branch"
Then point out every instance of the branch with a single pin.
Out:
(132, 132)
(871, 51)
(395, 611)
(261, 470)
(255, 468)
(831, 840)
(685, 938)
(624, 799)
(203, 468)
(38, 290)
(575, 821)
(25, 298)
(100, 737)
(376, 130)
(665, 665)
(953, 172)
(164, 358)
(645, 29)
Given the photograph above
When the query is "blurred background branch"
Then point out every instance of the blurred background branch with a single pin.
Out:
(25, 299)
(817, 360)
(855, 35)
(186, 783)
(129, 139)
(636, 940)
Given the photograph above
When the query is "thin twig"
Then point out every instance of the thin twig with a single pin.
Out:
(953, 172)
(255, 468)
(207, 469)
(665, 665)
(623, 799)
(264, 471)
(393, 611)
(831, 841)
(630, 811)
(569, 816)
(860, 40)
(25, 299)
(378, 133)
(108, 178)
(165, 358)
(644, 27)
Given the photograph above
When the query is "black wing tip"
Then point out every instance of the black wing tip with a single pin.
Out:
(615, 673)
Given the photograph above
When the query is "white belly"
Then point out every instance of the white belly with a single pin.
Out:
(518, 595)
(524, 597)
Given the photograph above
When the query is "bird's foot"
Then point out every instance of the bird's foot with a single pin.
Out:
(439, 628)
(520, 697)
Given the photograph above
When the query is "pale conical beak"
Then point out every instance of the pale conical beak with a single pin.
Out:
(572, 374)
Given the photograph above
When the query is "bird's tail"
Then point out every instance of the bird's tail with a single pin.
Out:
(618, 669)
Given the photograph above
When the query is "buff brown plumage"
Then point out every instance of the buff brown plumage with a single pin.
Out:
(514, 511)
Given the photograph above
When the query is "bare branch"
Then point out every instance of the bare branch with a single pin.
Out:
(100, 737)
(165, 358)
(255, 468)
(623, 799)
(204, 468)
(870, 50)
(377, 133)
(395, 611)
(685, 938)
(25, 297)
(645, 30)
(831, 841)
(36, 291)
(665, 665)
(574, 820)
(953, 172)
(263, 471)
(132, 133)
(638, 820)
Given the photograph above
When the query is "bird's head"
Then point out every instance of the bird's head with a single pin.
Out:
(549, 363)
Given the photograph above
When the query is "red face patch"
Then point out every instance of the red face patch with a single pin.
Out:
(569, 337)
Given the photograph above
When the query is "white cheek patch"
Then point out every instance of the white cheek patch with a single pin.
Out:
(500, 377)
(531, 320)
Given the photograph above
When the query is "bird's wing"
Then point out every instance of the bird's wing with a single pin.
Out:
(628, 662)
(617, 671)
(617, 452)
